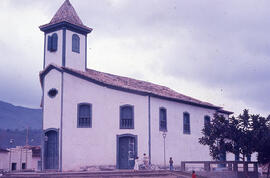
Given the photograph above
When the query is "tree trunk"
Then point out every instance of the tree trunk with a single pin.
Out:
(244, 166)
(268, 170)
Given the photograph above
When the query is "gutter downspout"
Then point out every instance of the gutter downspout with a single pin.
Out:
(149, 128)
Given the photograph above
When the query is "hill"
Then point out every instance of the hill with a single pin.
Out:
(18, 117)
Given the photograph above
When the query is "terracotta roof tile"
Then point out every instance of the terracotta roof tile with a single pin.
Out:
(138, 85)
(147, 88)
(66, 13)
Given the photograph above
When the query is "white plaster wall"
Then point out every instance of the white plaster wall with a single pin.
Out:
(18, 156)
(4, 160)
(52, 106)
(34, 163)
(54, 57)
(75, 60)
(179, 146)
(97, 145)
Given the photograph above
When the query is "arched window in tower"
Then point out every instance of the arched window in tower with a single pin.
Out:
(75, 43)
(52, 42)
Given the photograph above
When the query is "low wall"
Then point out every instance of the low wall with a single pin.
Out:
(222, 169)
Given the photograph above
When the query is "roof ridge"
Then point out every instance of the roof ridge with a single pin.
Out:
(125, 77)
(164, 87)
(129, 84)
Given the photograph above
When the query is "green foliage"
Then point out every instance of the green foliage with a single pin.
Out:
(216, 136)
(243, 135)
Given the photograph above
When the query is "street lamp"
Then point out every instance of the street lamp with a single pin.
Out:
(11, 141)
(45, 138)
(164, 137)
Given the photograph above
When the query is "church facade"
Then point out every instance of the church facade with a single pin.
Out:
(92, 118)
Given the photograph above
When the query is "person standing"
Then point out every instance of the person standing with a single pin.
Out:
(145, 161)
(193, 174)
(136, 165)
(171, 164)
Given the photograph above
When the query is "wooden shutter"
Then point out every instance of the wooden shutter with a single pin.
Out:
(49, 45)
(54, 42)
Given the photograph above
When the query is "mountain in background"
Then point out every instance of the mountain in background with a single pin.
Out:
(19, 124)
(18, 117)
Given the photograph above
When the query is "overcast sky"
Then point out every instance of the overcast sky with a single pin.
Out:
(213, 50)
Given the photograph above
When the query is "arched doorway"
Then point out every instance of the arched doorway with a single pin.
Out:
(126, 151)
(51, 149)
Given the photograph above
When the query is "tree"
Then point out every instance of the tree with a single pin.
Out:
(243, 135)
(263, 147)
(239, 136)
(216, 136)
(264, 154)
(244, 141)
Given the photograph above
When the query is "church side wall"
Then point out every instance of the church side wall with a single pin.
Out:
(52, 106)
(73, 59)
(179, 146)
(96, 146)
(56, 56)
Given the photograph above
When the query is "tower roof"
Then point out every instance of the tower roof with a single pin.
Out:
(66, 14)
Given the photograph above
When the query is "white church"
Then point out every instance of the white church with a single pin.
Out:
(92, 118)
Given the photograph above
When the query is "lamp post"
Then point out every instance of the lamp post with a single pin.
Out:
(10, 142)
(164, 154)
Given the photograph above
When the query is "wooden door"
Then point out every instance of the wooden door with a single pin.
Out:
(51, 150)
(126, 152)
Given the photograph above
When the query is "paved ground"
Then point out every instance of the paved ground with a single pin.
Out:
(102, 174)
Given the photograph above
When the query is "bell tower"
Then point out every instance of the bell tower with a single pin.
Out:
(65, 39)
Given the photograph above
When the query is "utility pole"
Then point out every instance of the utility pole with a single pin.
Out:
(10, 150)
(26, 147)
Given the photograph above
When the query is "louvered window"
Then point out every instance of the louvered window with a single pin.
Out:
(186, 123)
(75, 43)
(52, 42)
(162, 119)
(84, 115)
(126, 117)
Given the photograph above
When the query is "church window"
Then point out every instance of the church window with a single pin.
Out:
(52, 92)
(206, 120)
(84, 115)
(126, 117)
(52, 42)
(75, 43)
(186, 123)
(162, 119)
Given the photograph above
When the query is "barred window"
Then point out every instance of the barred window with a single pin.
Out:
(162, 119)
(84, 115)
(186, 123)
(126, 117)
